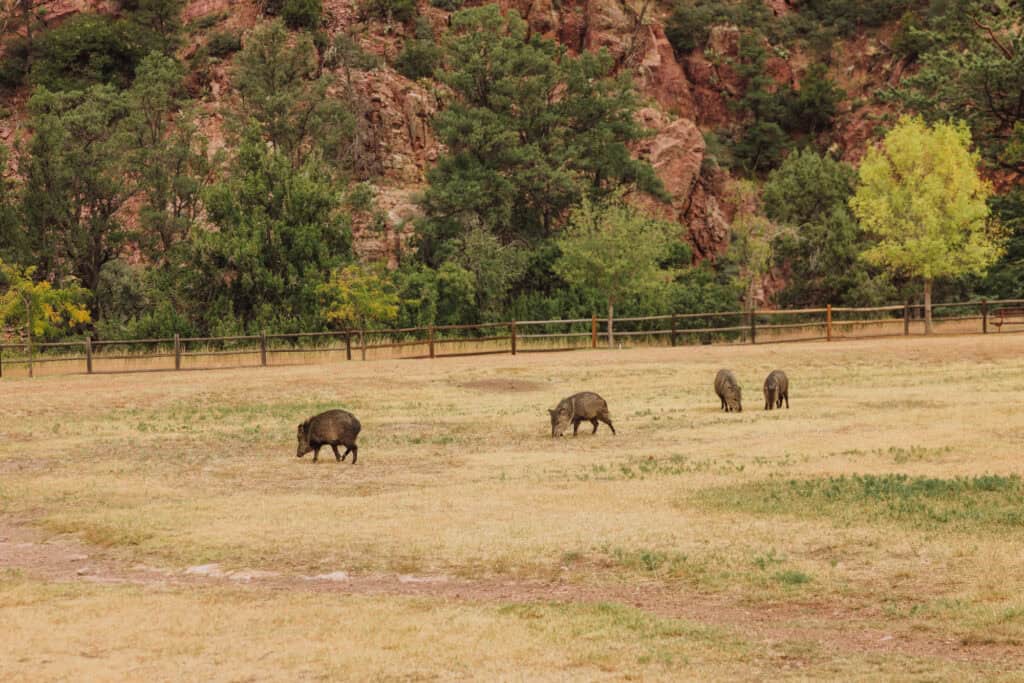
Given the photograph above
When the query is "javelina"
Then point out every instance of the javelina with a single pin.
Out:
(728, 390)
(776, 389)
(329, 429)
(585, 405)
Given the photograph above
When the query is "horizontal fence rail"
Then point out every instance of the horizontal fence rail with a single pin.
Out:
(521, 336)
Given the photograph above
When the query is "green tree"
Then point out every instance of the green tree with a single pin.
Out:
(750, 247)
(921, 194)
(169, 157)
(276, 77)
(76, 180)
(494, 267)
(615, 250)
(42, 308)
(359, 297)
(85, 50)
(530, 130)
(279, 233)
(973, 71)
(820, 252)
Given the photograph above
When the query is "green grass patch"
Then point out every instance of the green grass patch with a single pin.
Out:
(963, 503)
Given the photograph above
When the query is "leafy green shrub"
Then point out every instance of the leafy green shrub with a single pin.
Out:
(15, 64)
(761, 147)
(812, 108)
(84, 50)
(418, 59)
(223, 43)
(690, 23)
(206, 21)
(447, 5)
(402, 11)
(302, 13)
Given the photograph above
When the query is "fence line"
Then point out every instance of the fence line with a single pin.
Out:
(446, 341)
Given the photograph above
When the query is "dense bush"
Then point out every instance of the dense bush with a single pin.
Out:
(223, 43)
(85, 50)
(402, 11)
(447, 5)
(418, 59)
(302, 13)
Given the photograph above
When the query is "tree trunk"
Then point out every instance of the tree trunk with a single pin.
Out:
(28, 333)
(928, 306)
(611, 333)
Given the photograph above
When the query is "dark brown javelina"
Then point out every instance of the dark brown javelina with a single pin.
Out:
(330, 429)
(776, 389)
(585, 405)
(728, 390)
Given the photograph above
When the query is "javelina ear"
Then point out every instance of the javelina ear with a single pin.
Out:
(552, 411)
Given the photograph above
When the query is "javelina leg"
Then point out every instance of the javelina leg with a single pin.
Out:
(594, 422)
(576, 425)
(608, 421)
(785, 396)
(355, 452)
(316, 453)
(767, 402)
(724, 406)
(348, 449)
(337, 456)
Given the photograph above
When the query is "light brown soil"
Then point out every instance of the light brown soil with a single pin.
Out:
(832, 627)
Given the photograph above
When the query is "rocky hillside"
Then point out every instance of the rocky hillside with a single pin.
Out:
(685, 97)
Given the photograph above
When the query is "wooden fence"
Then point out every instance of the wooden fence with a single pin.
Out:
(521, 336)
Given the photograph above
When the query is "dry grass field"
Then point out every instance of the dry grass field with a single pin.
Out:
(157, 526)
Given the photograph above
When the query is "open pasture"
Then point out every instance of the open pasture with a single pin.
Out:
(159, 526)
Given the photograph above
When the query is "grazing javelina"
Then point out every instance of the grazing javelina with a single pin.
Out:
(329, 429)
(776, 388)
(728, 390)
(585, 405)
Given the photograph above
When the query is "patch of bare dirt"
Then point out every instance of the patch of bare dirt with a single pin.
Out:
(502, 385)
(830, 627)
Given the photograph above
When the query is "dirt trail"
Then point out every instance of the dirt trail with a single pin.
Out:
(830, 627)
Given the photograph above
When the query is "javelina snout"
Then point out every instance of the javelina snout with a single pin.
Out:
(585, 405)
(331, 428)
(776, 389)
(728, 390)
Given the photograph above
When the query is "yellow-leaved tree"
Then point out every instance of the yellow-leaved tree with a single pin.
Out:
(39, 306)
(359, 297)
(921, 195)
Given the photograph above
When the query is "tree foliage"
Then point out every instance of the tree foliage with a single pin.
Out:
(921, 195)
(531, 130)
(276, 76)
(76, 181)
(280, 231)
(359, 297)
(40, 307)
(614, 250)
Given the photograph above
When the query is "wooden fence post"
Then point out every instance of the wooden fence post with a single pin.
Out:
(31, 372)
(593, 331)
(177, 351)
(348, 344)
(430, 340)
(513, 335)
(263, 348)
(674, 330)
(1, 361)
(828, 322)
(984, 316)
(362, 344)
(906, 320)
(753, 326)
(88, 355)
